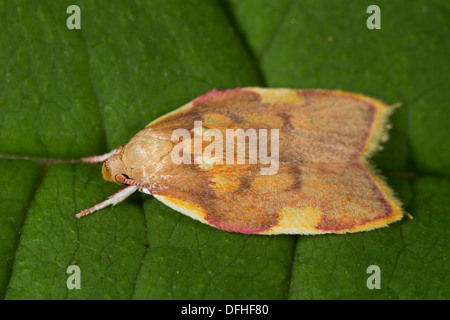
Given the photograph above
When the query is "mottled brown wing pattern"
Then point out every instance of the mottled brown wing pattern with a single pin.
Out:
(322, 184)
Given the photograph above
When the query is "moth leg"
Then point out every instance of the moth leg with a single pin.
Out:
(112, 200)
(101, 158)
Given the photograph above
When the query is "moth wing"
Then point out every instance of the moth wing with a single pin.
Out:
(183, 206)
(324, 183)
(336, 200)
(335, 134)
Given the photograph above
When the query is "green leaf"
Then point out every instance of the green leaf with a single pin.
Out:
(202, 262)
(18, 179)
(72, 93)
(48, 104)
(53, 239)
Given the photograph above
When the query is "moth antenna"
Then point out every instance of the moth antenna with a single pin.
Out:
(101, 158)
(120, 178)
(112, 200)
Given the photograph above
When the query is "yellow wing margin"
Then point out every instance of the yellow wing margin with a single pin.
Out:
(187, 208)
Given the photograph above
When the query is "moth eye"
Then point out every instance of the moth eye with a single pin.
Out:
(122, 178)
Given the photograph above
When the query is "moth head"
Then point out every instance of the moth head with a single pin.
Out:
(137, 160)
(106, 173)
(113, 169)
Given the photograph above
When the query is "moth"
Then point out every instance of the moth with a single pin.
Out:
(312, 177)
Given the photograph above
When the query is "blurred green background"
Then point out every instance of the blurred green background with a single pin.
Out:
(72, 93)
